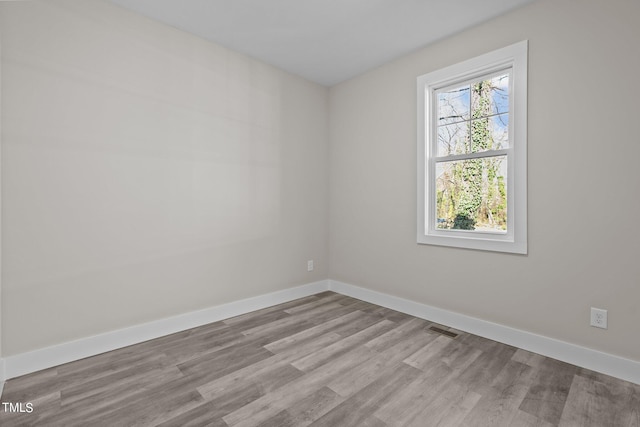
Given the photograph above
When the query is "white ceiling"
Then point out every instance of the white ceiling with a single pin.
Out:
(326, 41)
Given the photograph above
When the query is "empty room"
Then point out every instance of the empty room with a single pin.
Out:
(320, 213)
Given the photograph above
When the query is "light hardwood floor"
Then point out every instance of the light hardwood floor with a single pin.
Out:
(325, 360)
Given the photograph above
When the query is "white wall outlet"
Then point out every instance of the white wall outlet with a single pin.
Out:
(598, 318)
(310, 265)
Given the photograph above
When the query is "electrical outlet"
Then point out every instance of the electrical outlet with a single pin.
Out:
(598, 318)
(310, 265)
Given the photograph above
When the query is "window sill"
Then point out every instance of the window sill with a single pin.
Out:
(485, 242)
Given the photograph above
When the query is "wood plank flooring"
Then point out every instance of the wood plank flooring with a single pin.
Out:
(325, 360)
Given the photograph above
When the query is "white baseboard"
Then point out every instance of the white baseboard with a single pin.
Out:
(626, 369)
(48, 357)
(24, 363)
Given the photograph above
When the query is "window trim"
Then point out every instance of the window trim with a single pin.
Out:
(514, 59)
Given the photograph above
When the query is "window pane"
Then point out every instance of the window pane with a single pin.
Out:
(453, 139)
(499, 130)
(453, 105)
(500, 94)
(490, 96)
(472, 194)
(489, 133)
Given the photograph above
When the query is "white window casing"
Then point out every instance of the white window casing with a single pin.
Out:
(512, 60)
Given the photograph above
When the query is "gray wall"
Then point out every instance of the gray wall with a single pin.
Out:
(583, 182)
(147, 173)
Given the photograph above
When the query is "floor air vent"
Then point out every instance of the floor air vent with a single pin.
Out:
(443, 332)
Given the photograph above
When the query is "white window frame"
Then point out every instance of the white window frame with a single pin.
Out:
(514, 59)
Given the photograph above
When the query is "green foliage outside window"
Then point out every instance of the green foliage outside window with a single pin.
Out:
(471, 193)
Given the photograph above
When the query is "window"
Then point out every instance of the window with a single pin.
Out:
(472, 153)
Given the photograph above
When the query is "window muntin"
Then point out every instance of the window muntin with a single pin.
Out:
(472, 153)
